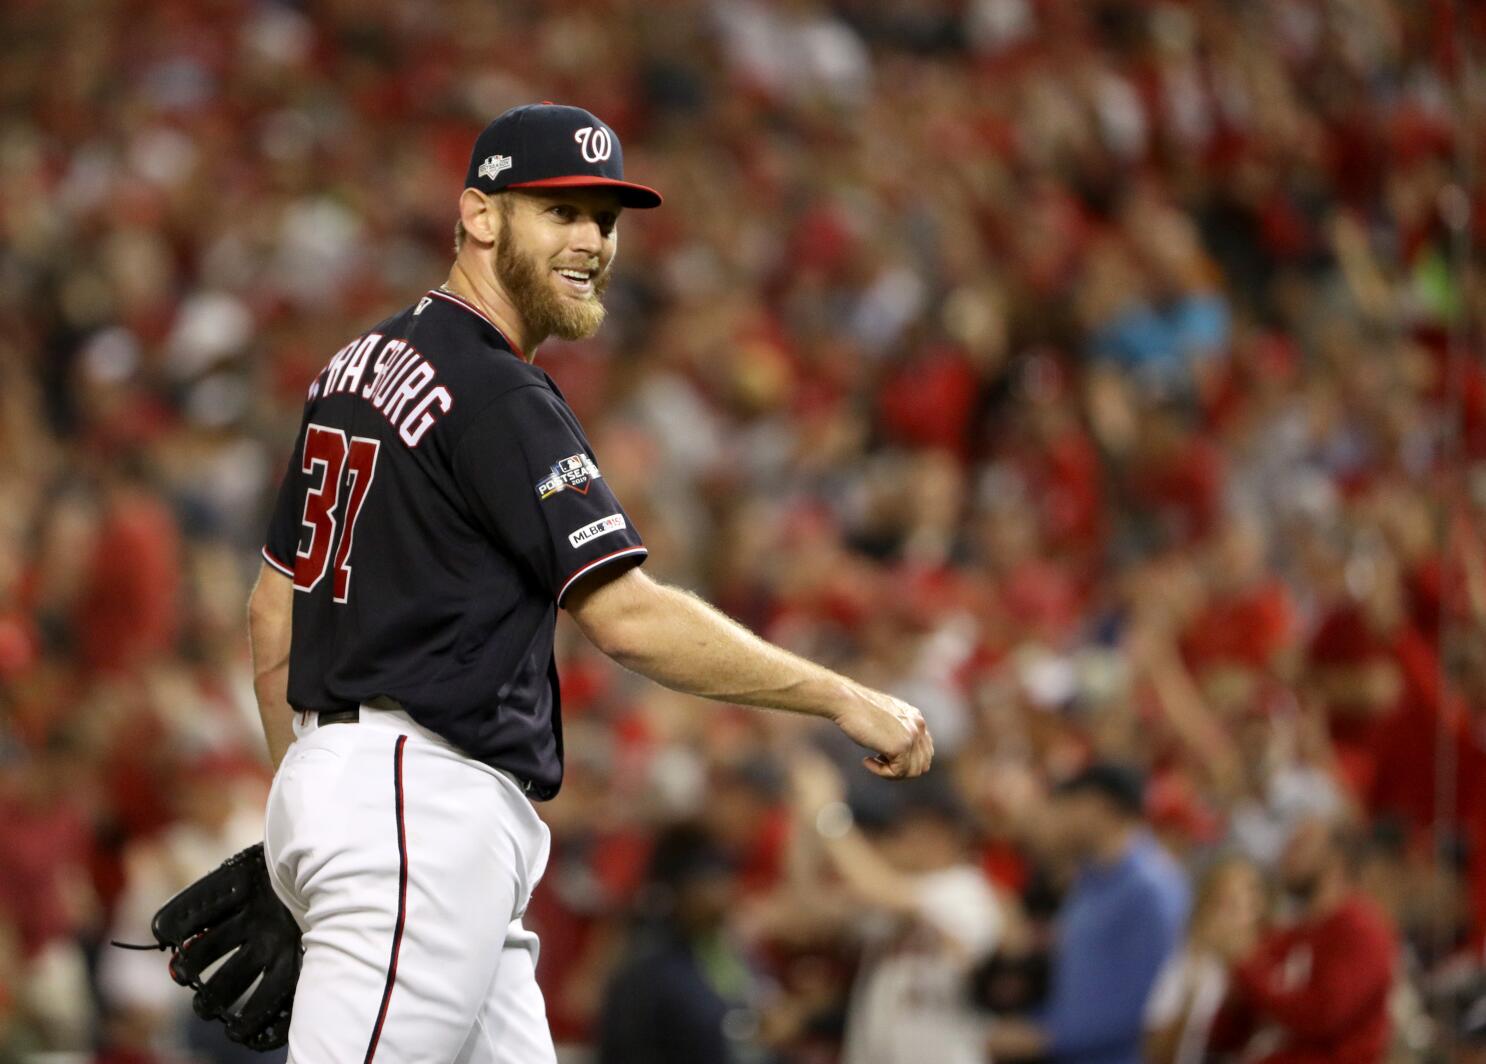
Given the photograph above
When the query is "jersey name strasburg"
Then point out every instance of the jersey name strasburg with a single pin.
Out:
(401, 384)
(440, 502)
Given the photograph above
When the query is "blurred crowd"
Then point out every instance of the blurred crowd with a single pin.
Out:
(1106, 379)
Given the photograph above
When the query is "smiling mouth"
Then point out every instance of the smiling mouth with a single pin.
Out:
(577, 281)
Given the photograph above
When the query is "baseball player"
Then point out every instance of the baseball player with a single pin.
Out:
(441, 504)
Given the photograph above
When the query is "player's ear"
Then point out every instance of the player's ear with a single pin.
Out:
(481, 216)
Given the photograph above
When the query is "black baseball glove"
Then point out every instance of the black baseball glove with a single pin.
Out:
(234, 910)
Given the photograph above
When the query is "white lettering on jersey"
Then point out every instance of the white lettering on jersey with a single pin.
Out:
(602, 527)
(422, 305)
(411, 385)
(420, 420)
(333, 367)
(400, 379)
(395, 371)
(356, 364)
(389, 351)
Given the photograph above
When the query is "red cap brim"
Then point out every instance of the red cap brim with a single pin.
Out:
(630, 194)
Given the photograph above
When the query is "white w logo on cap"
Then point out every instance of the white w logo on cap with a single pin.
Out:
(595, 142)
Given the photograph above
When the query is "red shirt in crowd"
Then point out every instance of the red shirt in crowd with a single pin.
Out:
(1323, 984)
(1249, 627)
(1181, 490)
(40, 845)
(130, 610)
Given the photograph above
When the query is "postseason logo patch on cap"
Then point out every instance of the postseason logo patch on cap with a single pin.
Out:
(494, 165)
(550, 145)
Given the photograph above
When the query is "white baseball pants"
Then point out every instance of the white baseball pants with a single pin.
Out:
(408, 866)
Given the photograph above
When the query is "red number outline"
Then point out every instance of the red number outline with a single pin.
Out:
(328, 448)
(320, 503)
(361, 463)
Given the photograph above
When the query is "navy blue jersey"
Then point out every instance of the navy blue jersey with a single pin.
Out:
(440, 502)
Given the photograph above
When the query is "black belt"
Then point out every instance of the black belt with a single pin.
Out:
(352, 715)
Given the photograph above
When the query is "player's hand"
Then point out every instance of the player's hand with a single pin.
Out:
(891, 727)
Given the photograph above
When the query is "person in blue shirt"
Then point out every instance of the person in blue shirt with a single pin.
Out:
(1122, 919)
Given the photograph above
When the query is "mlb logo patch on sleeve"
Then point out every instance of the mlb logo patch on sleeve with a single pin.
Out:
(570, 474)
(602, 527)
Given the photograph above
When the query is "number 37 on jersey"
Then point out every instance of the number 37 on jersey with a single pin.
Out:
(341, 470)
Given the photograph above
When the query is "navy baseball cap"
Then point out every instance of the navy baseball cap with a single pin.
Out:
(548, 145)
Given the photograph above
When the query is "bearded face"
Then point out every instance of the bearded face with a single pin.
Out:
(552, 258)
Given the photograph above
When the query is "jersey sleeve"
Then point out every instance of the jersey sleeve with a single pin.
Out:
(535, 487)
(282, 542)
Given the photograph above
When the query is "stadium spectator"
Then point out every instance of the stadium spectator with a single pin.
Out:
(46, 838)
(1317, 990)
(929, 916)
(1121, 922)
(683, 992)
(1226, 920)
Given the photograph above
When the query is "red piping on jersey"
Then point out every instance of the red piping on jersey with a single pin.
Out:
(280, 566)
(402, 899)
(467, 305)
(597, 562)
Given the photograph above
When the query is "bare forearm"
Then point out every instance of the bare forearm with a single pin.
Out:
(677, 640)
(270, 614)
(276, 713)
(823, 825)
(1189, 716)
(690, 646)
(867, 874)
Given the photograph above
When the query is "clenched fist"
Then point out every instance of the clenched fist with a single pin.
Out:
(892, 728)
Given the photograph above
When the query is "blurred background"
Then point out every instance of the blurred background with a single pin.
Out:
(1105, 378)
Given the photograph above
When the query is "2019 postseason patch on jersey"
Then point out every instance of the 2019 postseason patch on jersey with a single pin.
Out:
(570, 474)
